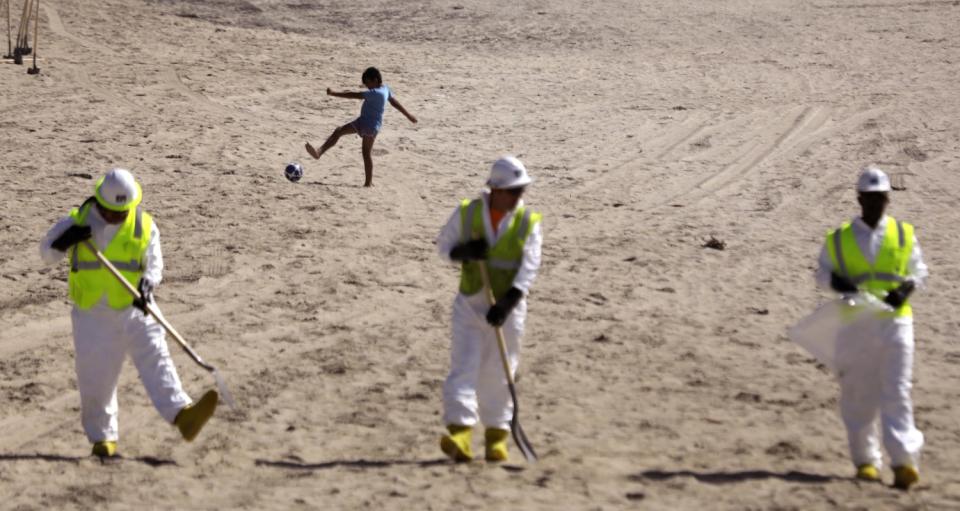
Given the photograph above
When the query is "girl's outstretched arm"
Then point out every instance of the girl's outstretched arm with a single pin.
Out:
(396, 104)
(348, 95)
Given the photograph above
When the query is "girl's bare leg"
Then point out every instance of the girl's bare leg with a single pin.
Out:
(367, 148)
(346, 129)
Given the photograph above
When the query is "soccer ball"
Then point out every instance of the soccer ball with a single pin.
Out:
(293, 172)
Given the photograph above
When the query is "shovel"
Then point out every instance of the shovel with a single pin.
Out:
(155, 312)
(518, 435)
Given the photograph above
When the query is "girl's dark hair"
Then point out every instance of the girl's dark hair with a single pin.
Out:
(372, 73)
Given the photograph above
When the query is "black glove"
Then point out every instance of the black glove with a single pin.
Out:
(473, 250)
(898, 296)
(75, 234)
(146, 295)
(497, 315)
(841, 284)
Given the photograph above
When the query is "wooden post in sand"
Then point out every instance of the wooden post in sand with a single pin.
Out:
(23, 15)
(36, 35)
(25, 36)
(9, 54)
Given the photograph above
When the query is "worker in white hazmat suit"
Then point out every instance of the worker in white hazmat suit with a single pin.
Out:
(495, 229)
(108, 324)
(878, 254)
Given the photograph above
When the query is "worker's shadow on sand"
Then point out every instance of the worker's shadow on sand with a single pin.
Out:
(742, 476)
(57, 458)
(359, 463)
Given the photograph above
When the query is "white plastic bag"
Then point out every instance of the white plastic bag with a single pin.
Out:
(820, 332)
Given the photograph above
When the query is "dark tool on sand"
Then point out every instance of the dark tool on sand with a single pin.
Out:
(9, 54)
(21, 49)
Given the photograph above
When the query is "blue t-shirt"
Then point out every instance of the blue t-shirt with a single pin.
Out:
(371, 112)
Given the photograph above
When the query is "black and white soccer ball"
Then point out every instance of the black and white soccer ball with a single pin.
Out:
(293, 172)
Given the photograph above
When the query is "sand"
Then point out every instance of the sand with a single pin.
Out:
(656, 373)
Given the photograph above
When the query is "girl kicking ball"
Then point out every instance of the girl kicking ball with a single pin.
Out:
(367, 126)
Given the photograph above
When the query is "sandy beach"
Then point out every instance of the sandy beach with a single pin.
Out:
(656, 372)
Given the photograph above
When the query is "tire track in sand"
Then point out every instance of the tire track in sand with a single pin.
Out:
(44, 420)
(169, 76)
(682, 134)
(806, 126)
(795, 122)
(830, 129)
(80, 75)
(790, 132)
(787, 132)
(660, 145)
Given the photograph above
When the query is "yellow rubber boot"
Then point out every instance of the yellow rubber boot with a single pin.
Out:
(192, 418)
(105, 449)
(868, 472)
(456, 445)
(496, 444)
(905, 476)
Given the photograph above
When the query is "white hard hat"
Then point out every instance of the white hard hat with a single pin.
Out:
(508, 172)
(872, 179)
(118, 190)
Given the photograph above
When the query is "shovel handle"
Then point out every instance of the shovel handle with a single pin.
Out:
(488, 290)
(518, 435)
(150, 308)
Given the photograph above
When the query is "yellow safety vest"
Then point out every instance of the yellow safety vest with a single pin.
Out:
(89, 280)
(888, 271)
(504, 258)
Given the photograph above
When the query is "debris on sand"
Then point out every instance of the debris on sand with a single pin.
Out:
(915, 153)
(703, 143)
(898, 182)
(715, 244)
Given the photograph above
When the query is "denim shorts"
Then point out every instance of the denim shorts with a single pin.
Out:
(365, 128)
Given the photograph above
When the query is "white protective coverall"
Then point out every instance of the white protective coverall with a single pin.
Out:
(476, 387)
(875, 367)
(103, 337)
